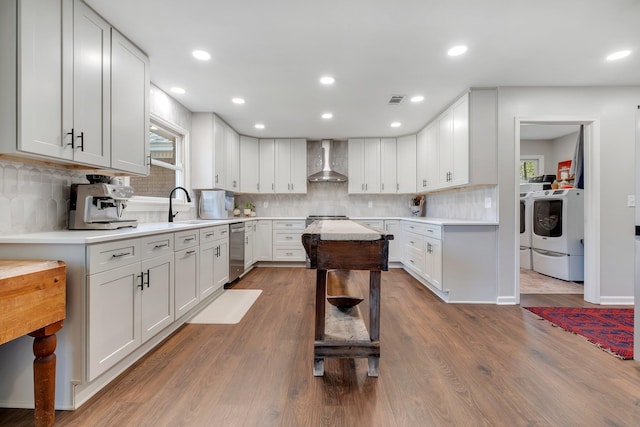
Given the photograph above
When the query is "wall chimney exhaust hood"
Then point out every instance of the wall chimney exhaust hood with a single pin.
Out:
(327, 174)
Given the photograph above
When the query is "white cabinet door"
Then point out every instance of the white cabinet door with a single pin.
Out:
(219, 152)
(267, 166)
(233, 159)
(433, 262)
(388, 166)
(460, 143)
(356, 165)
(395, 246)
(405, 164)
(249, 239)
(91, 90)
(432, 157)
(221, 264)
(113, 316)
(445, 135)
(291, 166)
(206, 270)
(249, 164)
(299, 166)
(129, 106)
(44, 27)
(186, 280)
(157, 295)
(421, 160)
(263, 246)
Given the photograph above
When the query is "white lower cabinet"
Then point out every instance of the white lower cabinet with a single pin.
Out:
(186, 268)
(433, 262)
(130, 297)
(263, 240)
(392, 226)
(214, 268)
(249, 239)
(287, 240)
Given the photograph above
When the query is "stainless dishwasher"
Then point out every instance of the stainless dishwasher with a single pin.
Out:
(236, 251)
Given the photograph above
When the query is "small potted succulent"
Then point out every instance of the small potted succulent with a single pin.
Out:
(248, 208)
(236, 210)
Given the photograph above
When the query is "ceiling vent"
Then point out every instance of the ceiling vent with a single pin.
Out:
(396, 99)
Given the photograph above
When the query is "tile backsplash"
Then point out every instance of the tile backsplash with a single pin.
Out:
(35, 198)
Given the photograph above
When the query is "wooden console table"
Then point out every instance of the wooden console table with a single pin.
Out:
(32, 301)
(346, 245)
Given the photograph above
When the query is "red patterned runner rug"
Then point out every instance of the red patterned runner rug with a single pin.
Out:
(611, 329)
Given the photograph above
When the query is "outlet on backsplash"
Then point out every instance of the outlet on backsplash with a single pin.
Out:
(487, 202)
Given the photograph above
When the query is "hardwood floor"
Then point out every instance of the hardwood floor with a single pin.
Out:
(441, 365)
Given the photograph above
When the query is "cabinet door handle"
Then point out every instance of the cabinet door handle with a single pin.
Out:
(141, 284)
(216, 178)
(73, 138)
(362, 187)
(397, 187)
(272, 187)
(148, 278)
(258, 186)
(383, 186)
(81, 141)
(120, 255)
(424, 182)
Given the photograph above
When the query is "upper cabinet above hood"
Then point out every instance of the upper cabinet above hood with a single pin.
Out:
(327, 174)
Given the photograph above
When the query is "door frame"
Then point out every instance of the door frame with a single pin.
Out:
(592, 179)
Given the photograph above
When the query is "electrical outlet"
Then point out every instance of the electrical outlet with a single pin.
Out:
(631, 201)
(370, 204)
(265, 204)
(487, 202)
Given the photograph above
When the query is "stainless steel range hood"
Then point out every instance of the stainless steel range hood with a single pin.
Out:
(327, 174)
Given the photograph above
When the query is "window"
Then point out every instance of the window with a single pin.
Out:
(530, 165)
(167, 162)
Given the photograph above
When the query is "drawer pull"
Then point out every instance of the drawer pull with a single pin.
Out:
(223, 232)
(120, 255)
(209, 234)
(288, 237)
(289, 254)
(191, 252)
(430, 231)
(188, 239)
(163, 245)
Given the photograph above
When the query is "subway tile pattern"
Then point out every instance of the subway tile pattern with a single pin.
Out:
(464, 203)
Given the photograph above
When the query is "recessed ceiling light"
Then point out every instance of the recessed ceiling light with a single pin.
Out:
(237, 100)
(396, 124)
(178, 90)
(417, 98)
(327, 115)
(618, 55)
(457, 50)
(201, 55)
(259, 126)
(327, 80)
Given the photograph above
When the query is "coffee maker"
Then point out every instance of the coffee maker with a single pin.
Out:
(99, 205)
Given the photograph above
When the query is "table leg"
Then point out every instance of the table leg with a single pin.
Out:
(321, 293)
(44, 374)
(374, 317)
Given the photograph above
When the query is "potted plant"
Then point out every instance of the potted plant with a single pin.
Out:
(248, 208)
(236, 210)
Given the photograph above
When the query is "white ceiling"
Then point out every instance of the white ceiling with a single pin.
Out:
(272, 53)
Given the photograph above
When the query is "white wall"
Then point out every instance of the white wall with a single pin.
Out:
(615, 109)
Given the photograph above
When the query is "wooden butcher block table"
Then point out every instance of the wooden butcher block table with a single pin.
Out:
(346, 245)
(32, 301)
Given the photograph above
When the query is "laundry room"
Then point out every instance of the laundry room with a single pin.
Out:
(551, 200)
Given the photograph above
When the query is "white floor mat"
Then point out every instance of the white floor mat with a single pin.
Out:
(228, 308)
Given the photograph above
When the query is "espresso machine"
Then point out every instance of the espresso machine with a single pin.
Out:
(99, 206)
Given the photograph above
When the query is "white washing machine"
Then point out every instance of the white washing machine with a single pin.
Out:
(526, 201)
(558, 233)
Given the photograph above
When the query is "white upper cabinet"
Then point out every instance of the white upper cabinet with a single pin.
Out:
(129, 106)
(233, 159)
(58, 54)
(211, 156)
(388, 166)
(291, 166)
(267, 170)
(364, 165)
(249, 164)
(405, 164)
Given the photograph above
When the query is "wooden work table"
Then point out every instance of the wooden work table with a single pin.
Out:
(346, 245)
(32, 301)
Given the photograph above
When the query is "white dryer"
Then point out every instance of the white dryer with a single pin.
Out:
(526, 201)
(558, 233)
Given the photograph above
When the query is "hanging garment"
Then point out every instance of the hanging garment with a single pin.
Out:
(577, 165)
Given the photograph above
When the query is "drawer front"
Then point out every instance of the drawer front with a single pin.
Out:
(212, 234)
(422, 229)
(250, 227)
(414, 241)
(289, 254)
(153, 246)
(288, 225)
(187, 239)
(287, 238)
(414, 259)
(106, 256)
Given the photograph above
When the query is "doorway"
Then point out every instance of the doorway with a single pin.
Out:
(545, 142)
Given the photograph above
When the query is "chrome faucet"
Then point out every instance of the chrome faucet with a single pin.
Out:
(171, 214)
